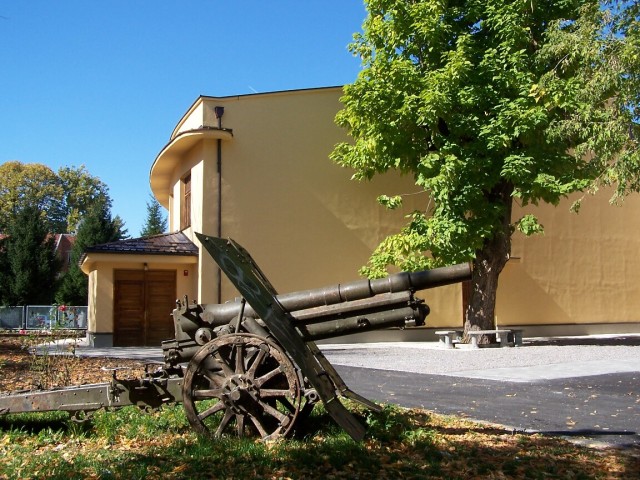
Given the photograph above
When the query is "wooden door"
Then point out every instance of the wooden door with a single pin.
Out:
(128, 308)
(161, 300)
(143, 302)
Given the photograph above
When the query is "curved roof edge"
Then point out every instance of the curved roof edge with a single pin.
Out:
(162, 168)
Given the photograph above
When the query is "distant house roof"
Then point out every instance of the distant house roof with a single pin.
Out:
(64, 241)
(165, 244)
(61, 241)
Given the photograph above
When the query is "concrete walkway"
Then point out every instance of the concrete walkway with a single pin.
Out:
(538, 359)
(583, 388)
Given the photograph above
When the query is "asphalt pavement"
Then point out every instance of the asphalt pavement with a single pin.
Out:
(586, 389)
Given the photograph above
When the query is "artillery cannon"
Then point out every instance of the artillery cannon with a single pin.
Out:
(251, 366)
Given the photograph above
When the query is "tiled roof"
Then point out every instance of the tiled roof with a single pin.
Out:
(166, 244)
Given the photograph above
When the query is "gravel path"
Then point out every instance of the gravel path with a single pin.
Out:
(537, 359)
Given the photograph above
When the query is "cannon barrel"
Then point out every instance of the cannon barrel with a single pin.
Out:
(319, 313)
(382, 311)
(385, 310)
(360, 289)
(220, 314)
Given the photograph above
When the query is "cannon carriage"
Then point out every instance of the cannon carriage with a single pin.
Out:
(251, 366)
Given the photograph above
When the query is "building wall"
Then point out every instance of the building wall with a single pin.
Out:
(63, 247)
(302, 218)
(583, 270)
(307, 224)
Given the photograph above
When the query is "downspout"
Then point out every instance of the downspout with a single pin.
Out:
(219, 112)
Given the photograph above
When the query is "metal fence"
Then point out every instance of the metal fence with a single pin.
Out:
(43, 317)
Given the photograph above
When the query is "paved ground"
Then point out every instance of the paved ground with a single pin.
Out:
(602, 409)
(584, 388)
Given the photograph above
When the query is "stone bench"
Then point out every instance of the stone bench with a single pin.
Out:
(448, 337)
(517, 337)
(501, 334)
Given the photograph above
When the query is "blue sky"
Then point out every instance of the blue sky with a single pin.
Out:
(103, 83)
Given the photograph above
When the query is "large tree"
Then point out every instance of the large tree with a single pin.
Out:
(61, 198)
(30, 185)
(486, 102)
(96, 227)
(156, 221)
(29, 265)
(81, 192)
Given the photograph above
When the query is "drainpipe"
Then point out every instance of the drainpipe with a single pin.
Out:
(219, 112)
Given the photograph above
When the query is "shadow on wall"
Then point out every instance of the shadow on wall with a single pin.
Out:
(523, 301)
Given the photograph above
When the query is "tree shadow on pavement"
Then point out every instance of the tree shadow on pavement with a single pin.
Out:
(625, 341)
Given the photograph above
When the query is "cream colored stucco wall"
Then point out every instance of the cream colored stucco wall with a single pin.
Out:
(201, 162)
(308, 225)
(93, 302)
(191, 161)
(302, 218)
(584, 269)
(191, 121)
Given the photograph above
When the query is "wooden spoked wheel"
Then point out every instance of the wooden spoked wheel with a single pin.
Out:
(244, 385)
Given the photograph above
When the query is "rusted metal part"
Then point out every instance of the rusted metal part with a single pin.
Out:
(292, 321)
(337, 310)
(244, 385)
(383, 311)
(147, 392)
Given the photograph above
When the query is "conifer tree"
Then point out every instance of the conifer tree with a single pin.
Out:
(156, 221)
(29, 263)
(97, 227)
(4, 269)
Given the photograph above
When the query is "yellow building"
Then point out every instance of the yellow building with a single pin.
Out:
(255, 168)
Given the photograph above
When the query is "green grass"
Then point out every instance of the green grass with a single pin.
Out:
(400, 443)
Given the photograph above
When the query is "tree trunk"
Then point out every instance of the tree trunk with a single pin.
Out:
(489, 262)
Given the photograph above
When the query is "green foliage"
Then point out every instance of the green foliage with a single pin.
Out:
(60, 198)
(131, 422)
(81, 192)
(487, 101)
(97, 227)
(529, 225)
(390, 202)
(29, 185)
(29, 263)
(466, 96)
(5, 274)
(156, 221)
(48, 203)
